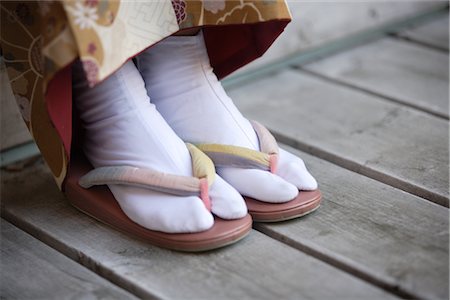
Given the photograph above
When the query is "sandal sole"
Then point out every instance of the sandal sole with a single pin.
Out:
(305, 203)
(99, 203)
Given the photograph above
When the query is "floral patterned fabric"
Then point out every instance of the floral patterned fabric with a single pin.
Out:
(40, 40)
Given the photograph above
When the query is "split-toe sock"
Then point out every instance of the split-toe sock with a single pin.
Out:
(122, 127)
(181, 83)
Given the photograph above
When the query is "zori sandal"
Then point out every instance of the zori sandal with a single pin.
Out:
(86, 190)
(240, 157)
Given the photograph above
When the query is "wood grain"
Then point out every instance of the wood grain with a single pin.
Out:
(434, 33)
(392, 143)
(258, 267)
(392, 237)
(315, 23)
(407, 73)
(32, 270)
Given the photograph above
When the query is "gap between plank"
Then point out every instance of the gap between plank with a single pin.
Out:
(18, 153)
(370, 92)
(416, 42)
(362, 169)
(306, 56)
(79, 257)
(347, 267)
(27, 150)
(330, 48)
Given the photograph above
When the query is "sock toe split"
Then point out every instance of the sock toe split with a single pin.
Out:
(198, 109)
(124, 128)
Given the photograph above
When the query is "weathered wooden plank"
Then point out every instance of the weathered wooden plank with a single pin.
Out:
(395, 144)
(408, 73)
(32, 270)
(13, 130)
(433, 33)
(258, 267)
(315, 23)
(394, 237)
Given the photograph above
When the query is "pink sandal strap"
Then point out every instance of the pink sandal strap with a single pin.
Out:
(198, 185)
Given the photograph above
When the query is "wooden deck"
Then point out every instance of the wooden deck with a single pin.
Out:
(372, 124)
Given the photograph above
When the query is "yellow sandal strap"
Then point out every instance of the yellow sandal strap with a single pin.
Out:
(241, 157)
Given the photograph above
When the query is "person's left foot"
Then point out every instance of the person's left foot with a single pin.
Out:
(123, 128)
(181, 83)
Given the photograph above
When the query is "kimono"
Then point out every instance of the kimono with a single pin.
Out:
(41, 39)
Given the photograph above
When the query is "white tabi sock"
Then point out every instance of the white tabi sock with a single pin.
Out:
(181, 83)
(124, 128)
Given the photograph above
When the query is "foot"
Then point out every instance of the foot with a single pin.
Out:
(124, 128)
(182, 85)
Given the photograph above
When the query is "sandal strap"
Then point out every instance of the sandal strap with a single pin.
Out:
(241, 157)
(198, 185)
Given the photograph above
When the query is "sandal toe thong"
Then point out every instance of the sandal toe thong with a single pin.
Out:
(86, 189)
(267, 160)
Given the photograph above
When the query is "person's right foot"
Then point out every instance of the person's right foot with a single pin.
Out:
(181, 83)
(124, 128)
